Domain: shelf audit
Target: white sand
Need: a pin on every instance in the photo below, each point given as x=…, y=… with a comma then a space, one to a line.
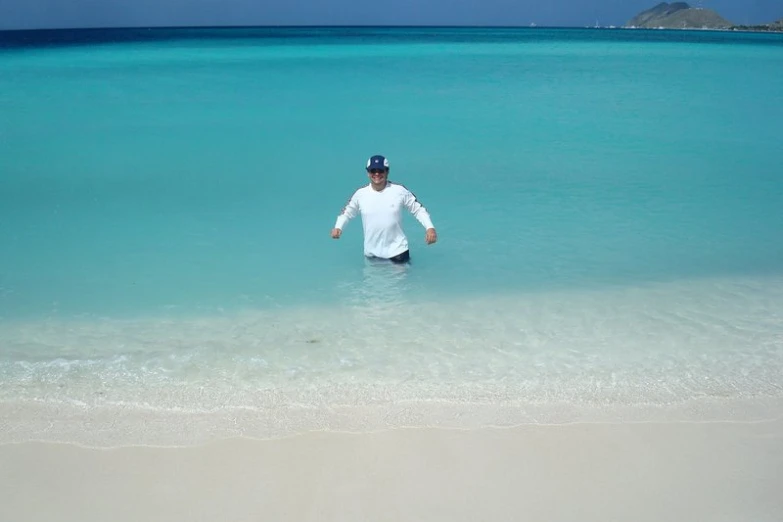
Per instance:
x=716, y=471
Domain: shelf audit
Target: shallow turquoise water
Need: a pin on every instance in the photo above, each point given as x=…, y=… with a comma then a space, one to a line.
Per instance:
x=196, y=174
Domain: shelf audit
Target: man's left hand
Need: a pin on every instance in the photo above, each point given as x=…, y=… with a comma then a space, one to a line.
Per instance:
x=430, y=237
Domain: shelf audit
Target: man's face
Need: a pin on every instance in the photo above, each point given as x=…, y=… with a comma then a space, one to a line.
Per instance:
x=378, y=177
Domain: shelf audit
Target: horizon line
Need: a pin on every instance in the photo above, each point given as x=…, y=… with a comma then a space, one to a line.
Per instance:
x=532, y=25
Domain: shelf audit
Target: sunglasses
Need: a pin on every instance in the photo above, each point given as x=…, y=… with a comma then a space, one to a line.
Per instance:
x=376, y=171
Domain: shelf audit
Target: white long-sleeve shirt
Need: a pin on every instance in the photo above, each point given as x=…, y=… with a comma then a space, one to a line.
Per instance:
x=381, y=213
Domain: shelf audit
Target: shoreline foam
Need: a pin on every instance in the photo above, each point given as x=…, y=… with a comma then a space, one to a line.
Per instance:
x=656, y=343
x=120, y=427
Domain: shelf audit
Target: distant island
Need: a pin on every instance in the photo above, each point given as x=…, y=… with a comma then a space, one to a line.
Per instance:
x=774, y=26
x=680, y=15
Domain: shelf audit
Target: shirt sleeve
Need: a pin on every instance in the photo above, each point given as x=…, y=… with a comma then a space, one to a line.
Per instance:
x=350, y=210
x=417, y=209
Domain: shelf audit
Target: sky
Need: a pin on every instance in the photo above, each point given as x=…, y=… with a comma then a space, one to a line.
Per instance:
x=47, y=14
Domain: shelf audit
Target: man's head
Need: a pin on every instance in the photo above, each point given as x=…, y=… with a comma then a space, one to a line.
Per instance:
x=378, y=170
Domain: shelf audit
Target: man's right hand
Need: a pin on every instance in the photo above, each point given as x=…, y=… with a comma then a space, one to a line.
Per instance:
x=336, y=233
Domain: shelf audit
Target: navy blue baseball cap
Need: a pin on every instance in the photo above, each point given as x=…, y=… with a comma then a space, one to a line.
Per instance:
x=377, y=162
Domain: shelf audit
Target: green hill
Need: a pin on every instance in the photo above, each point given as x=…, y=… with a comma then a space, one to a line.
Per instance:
x=678, y=15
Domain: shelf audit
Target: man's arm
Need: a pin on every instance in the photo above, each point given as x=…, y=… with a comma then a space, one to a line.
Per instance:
x=350, y=211
x=421, y=215
x=417, y=209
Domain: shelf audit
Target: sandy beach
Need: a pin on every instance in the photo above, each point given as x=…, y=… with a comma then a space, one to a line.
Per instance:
x=705, y=471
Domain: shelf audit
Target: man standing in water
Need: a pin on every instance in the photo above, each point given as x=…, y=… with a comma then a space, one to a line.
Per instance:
x=380, y=204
